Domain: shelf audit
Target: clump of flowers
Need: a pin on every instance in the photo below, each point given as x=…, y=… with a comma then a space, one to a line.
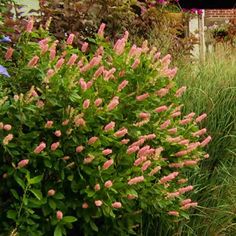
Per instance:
x=93, y=136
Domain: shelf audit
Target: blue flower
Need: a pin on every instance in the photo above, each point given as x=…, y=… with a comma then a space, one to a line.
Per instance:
x=5, y=39
x=3, y=71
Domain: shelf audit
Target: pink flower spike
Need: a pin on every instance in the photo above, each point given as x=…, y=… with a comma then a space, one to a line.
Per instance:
x=85, y=205
x=121, y=132
x=23, y=163
x=107, y=151
x=169, y=177
x=110, y=126
x=92, y=140
x=52, y=53
x=144, y=115
x=60, y=63
x=86, y=104
x=162, y=92
x=180, y=91
x=98, y=102
x=165, y=124
x=181, y=153
x=33, y=62
x=7, y=127
x=205, y=141
x=79, y=149
x=51, y=192
x=185, y=189
x=186, y=201
x=40, y=148
x=88, y=160
x=201, y=117
x=173, y=195
x=108, y=184
x=84, y=47
x=54, y=146
x=72, y=60
x=49, y=124
x=98, y=203
x=190, y=115
x=113, y=103
x=182, y=181
x=107, y=164
x=124, y=141
x=97, y=187
x=70, y=39
x=117, y=205
x=135, y=64
x=59, y=215
x=122, y=85
x=172, y=131
x=57, y=133
x=50, y=73
x=185, y=121
x=142, y=97
x=173, y=213
x=9, y=53
x=101, y=30
x=175, y=114
x=146, y=165
x=161, y=109
x=176, y=165
x=7, y=139
x=79, y=121
x=132, y=150
x=190, y=163
x=30, y=25
x=65, y=122
x=99, y=72
x=136, y=180
x=199, y=132
x=154, y=171
x=83, y=84
x=89, y=84
x=188, y=205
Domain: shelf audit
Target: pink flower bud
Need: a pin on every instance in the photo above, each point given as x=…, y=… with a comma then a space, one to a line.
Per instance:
x=119, y=46
x=182, y=181
x=7, y=139
x=107, y=164
x=101, y=30
x=172, y=131
x=65, y=122
x=206, y=156
x=33, y=62
x=185, y=121
x=9, y=53
x=113, y=103
x=157, y=56
x=162, y=92
x=97, y=187
x=173, y=213
x=201, y=117
x=52, y=54
x=173, y=195
x=50, y=73
x=161, y=109
x=30, y=25
x=79, y=121
x=44, y=48
x=136, y=180
x=72, y=60
x=199, y=132
x=181, y=153
x=190, y=115
x=106, y=152
x=122, y=85
x=60, y=63
x=70, y=39
x=99, y=71
x=23, y=163
x=165, y=124
x=85, y=205
x=143, y=150
x=92, y=140
x=79, y=149
x=190, y=163
x=89, y=84
x=121, y=132
x=140, y=160
x=185, y=189
x=132, y=150
x=144, y=115
x=175, y=114
x=131, y=196
x=86, y=104
x=169, y=177
x=84, y=47
x=88, y=159
x=146, y=165
x=154, y=171
x=180, y=91
x=98, y=102
x=51, y=192
x=174, y=140
x=116, y=205
x=40, y=148
x=110, y=126
x=108, y=184
x=59, y=215
x=124, y=141
x=98, y=203
x=49, y=124
x=83, y=84
x=99, y=51
x=188, y=205
x=55, y=145
x=184, y=142
x=57, y=133
x=186, y=201
x=165, y=59
x=176, y=165
x=7, y=127
x=109, y=74
x=142, y=97
x=135, y=64
x=205, y=141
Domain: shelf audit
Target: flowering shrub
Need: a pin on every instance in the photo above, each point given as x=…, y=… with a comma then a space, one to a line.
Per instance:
x=90, y=140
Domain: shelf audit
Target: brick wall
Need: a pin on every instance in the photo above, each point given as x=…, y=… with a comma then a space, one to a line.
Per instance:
x=221, y=13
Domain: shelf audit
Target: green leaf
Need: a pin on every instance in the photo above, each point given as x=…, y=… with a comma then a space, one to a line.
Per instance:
x=93, y=226
x=36, y=179
x=69, y=219
x=59, y=196
x=15, y=194
x=11, y=214
x=20, y=182
x=37, y=193
x=52, y=204
x=58, y=231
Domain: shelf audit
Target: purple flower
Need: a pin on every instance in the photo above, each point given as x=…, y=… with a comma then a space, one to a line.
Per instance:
x=5, y=39
x=3, y=71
